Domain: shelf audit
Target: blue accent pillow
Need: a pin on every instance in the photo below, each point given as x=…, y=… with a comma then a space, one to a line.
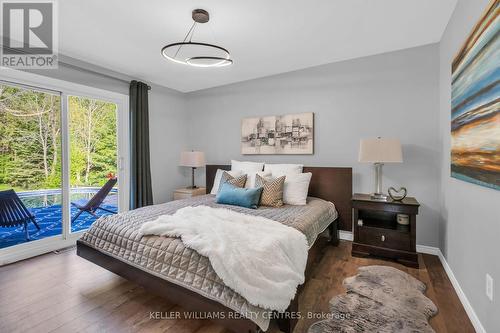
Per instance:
x=236, y=196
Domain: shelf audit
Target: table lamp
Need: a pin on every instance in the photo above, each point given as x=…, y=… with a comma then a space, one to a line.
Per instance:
x=379, y=151
x=193, y=159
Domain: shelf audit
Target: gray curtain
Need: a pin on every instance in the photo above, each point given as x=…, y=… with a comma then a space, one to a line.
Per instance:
x=141, y=193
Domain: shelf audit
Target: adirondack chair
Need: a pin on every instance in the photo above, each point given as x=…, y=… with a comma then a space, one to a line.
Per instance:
x=96, y=201
x=14, y=213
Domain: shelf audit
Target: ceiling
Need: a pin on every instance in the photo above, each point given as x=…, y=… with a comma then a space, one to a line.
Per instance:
x=264, y=37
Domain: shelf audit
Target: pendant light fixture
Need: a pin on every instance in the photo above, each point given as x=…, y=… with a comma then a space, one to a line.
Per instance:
x=197, y=54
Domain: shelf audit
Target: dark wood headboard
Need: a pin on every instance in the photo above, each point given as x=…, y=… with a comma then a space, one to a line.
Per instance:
x=328, y=183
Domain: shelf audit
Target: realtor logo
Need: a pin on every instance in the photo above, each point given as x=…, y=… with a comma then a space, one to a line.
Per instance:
x=29, y=38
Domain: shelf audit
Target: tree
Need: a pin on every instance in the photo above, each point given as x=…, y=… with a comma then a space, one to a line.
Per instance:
x=93, y=121
x=30, y=139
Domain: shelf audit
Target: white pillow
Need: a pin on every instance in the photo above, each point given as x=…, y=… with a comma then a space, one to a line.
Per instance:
x=296, y=188
x=247, y=167
x=218, y=176
x=251, y=178
x=278, y=170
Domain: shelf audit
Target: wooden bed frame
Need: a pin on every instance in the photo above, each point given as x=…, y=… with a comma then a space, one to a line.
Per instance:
x=332, y=184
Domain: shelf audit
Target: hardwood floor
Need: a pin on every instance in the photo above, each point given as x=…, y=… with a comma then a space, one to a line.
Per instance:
x=65, y=293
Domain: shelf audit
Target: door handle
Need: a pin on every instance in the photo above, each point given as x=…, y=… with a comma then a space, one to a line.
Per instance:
x=382, y=238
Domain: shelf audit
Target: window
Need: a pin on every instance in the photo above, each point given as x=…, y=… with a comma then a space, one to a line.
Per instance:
x=60, y=144
x=30, y=162
x=93, y=157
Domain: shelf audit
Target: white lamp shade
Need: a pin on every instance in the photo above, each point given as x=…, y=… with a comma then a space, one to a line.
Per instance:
x=192, y=159
x=380, y=150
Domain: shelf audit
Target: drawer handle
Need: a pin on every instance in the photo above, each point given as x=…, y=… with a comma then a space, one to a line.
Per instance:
x=382, y=238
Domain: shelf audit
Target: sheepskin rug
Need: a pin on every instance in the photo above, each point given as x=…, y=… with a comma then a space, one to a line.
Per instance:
x=379, y=299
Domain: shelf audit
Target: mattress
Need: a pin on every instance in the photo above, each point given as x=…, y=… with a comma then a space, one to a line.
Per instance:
x=165, y=257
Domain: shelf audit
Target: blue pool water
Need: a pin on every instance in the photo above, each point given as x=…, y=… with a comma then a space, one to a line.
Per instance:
x=46, y=206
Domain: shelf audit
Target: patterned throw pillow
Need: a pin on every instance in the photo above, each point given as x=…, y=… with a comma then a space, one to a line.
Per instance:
x=238, y=181
x=272, y=193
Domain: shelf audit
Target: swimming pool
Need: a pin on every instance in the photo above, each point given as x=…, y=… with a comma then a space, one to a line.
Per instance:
x=46, y=206
x=50, y=197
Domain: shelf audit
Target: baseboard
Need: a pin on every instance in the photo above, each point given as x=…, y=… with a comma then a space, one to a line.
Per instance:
x=428, y=250
x=347, y=235
x=461, y=295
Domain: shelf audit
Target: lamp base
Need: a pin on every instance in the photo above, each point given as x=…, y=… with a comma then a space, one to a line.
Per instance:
x=379, y=196
x=192, y=187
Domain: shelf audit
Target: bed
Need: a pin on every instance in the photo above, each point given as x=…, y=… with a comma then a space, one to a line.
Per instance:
x=165, y=266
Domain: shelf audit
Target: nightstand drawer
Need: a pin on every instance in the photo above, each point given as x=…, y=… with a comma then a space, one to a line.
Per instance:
x=180, y=195
x=387, y=238
x=184, y=193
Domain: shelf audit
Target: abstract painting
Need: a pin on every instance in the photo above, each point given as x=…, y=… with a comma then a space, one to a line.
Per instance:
x=475, y=101
x=288, y=134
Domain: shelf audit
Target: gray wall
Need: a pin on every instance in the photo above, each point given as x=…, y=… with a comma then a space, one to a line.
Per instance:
x=470, y=214
x=391, y=95
x=168, y=122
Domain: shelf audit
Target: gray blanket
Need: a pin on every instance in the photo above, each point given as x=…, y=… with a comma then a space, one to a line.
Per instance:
x=168, y=258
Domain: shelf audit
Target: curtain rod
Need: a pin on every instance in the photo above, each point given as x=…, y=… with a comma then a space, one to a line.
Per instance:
x=78, y=68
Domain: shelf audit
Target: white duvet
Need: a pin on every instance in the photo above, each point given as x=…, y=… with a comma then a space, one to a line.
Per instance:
x=261, y=259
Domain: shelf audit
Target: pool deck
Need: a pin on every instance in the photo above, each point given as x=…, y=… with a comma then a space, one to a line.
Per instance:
x=50, y=221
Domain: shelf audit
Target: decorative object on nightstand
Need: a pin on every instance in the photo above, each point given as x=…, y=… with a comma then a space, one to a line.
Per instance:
x=379, y=151
x=403, y=219
x=397, y=195
x=184, y=193
x=193, y=159
x=382, y=231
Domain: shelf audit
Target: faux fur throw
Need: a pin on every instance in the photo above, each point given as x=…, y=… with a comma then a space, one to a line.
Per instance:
x=261, y=259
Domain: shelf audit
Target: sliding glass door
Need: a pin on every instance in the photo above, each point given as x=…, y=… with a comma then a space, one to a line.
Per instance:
x=63, y=157
x=30, y=164
x=93, y=152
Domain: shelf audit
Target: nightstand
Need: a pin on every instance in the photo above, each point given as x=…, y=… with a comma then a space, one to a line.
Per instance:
x=183, y=193
x=377, y=232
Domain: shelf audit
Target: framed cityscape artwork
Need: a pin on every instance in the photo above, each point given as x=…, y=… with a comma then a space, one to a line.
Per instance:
x=284, y=134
